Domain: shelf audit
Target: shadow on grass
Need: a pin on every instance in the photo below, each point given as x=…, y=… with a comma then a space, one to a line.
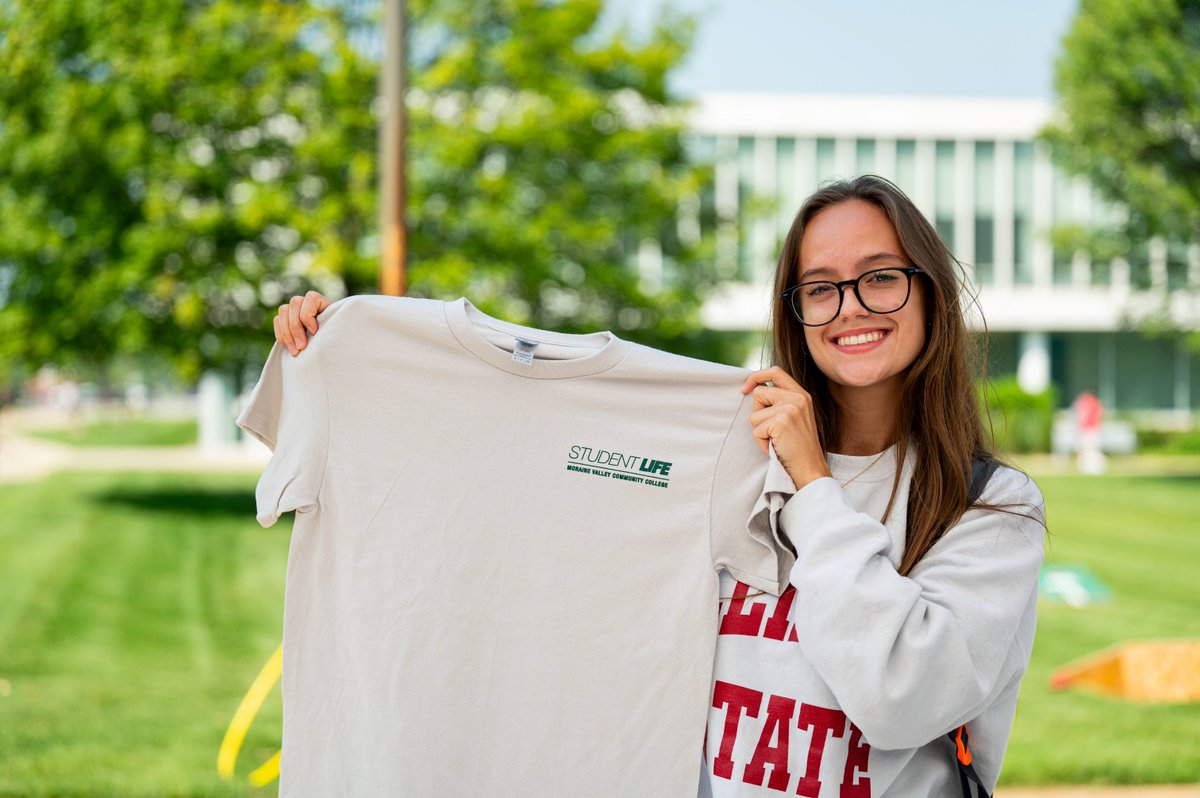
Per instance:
x=211, y=503
x=1190, y=480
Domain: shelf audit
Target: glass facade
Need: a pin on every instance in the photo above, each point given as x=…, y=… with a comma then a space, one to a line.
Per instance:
x=1022, y=222
x=799, y=165
x=1177, y=265
x=787, y=189
x=1139, y=265
x=1027, y=221
x=704, y=152
x=943, y=191
x=1146, y=370
x=906, y=164
x=746, y=193
x=1104, y=216
x=826, y=159
x=985, y=212
x=1064, y=255
x=864, y=157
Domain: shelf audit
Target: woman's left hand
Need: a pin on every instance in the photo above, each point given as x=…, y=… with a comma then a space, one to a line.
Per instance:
x=783, y=415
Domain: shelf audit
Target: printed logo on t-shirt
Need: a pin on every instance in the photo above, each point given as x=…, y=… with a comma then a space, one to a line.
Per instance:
x=616, y=465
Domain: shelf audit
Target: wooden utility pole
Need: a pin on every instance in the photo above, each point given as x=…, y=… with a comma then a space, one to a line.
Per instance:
x=392, y=194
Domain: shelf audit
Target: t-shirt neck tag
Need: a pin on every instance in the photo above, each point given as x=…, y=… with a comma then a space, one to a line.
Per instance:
x=523, y=351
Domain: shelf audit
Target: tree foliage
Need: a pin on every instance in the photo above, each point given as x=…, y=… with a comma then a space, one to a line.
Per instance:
x=542, y=158
x=170, y=172
x=1128, y=84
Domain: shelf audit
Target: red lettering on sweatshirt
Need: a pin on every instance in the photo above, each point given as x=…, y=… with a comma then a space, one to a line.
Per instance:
x=777, y=624
x=775, y=744
x=737, y=621
x=737, y=700
x=780, y=712
x=823, y=722
x=855, y=782
x=744, y=615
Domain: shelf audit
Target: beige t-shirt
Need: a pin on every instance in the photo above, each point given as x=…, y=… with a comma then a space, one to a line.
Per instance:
x=503, y=573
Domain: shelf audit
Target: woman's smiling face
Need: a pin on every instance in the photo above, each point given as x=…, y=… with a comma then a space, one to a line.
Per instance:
x=859, y=348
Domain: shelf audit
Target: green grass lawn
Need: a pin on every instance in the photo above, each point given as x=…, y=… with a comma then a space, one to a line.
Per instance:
x=132, y=432
x=135, y=609
x=134, y=612
x=1141, y=535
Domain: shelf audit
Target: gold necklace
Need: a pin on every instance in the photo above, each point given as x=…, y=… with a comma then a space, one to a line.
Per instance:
x=865, y=470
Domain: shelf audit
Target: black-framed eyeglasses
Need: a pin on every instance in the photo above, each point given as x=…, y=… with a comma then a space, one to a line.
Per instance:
x=819, y=302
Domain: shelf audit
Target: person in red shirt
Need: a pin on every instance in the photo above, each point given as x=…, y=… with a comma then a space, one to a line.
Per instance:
x=1089, y=412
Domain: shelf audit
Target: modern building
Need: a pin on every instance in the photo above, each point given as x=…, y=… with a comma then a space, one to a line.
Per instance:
x=975, y=168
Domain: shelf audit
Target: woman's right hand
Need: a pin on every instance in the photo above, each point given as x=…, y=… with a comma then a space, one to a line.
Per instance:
x=296, y=317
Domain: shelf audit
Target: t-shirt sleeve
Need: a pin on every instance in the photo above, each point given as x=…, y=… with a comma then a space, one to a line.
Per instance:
x=746, y=486
x=288, y=410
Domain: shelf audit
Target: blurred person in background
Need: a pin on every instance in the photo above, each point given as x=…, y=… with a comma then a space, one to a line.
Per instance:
x=1089, y=414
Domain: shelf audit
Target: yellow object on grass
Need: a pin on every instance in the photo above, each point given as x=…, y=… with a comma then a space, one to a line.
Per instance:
x=235, y=735
x=267, y=772
x=1163, y=671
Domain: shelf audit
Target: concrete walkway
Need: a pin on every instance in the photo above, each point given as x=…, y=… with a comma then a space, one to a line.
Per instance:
x=24, y=458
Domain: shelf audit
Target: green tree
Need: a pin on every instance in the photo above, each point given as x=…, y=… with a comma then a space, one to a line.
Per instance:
x=542, y=156
x=1128, y=85
x=170, y=172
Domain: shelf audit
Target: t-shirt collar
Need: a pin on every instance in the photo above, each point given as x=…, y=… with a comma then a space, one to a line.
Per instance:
x=598, y=351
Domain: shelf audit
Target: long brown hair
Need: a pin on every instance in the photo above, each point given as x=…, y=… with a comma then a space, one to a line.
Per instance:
x=938, y=411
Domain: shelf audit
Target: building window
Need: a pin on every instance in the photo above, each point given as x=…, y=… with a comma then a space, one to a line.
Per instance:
x=864, y=156
x=943, y=197
x=1139, y=265
x=1105, y=217
x=1023, y=213
x=906, y=165
x=785, y=180
x=985, y=211
x=745, y=169
x=826, y=159
x=703, y=151
x=1177, y=265
x=1145, y=369
x=1063, y=216
x=1075, y=365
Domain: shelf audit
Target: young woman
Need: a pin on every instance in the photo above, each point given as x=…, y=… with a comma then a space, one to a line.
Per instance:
x=911, y=611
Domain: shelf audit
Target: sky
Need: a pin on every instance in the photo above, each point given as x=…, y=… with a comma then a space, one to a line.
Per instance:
x=958, y=48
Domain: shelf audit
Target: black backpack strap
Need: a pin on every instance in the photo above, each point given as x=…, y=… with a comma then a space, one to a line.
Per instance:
x=966, y=771
x=982, y=469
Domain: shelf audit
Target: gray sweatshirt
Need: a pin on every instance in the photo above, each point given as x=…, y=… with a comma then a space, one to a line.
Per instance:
x=848, y=684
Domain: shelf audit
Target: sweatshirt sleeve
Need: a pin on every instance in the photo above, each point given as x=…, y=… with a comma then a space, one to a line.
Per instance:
x=288, y=411
x=910, y=658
